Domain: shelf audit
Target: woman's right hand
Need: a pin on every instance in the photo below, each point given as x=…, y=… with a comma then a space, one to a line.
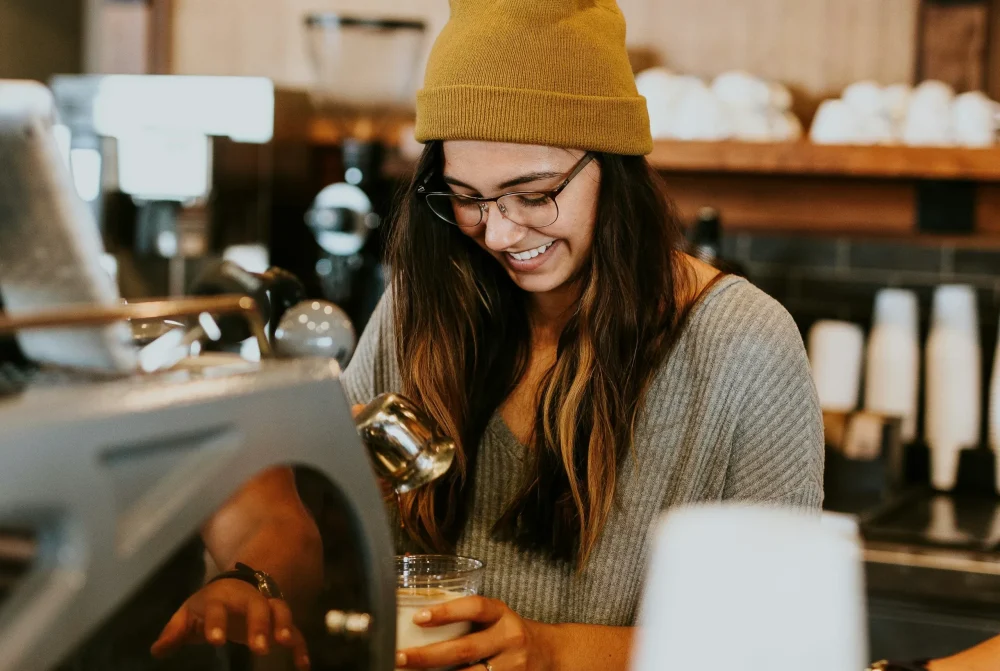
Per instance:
x=233, y=610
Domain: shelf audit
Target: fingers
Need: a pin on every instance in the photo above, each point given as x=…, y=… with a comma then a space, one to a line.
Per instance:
x=300, y=652
x=259, y=625
x=174, y=634
x=498, y=663
x=216, y=617
x=356, y=410
x=287, y=634
x=464, y=651
x=468, y=609
x=281, y=618
x=224, y=617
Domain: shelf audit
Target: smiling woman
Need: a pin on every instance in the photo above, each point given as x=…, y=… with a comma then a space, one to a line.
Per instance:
x=542, y=310
x=528, y=223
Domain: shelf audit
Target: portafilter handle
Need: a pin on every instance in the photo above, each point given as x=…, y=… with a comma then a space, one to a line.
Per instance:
x=406, y=446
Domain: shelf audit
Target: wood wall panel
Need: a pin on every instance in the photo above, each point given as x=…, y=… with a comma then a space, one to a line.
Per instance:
x=817, y=205
x=993, y=52
x=267, y=37
x=817, y=46
x=953, y=44
x=40, y=38
x=988, y=210
x=126, y=39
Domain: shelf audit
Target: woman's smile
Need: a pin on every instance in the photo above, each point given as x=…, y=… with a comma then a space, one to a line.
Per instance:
x=530, y=260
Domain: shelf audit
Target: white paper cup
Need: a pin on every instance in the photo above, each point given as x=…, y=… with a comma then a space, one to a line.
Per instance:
x=866, y=97
x=836, y=123
x=928, y=117
x=972, y=120
x=835, y=357
x=699, y=115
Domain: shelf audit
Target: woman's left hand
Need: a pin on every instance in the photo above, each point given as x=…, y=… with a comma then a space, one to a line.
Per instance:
x=505, y=640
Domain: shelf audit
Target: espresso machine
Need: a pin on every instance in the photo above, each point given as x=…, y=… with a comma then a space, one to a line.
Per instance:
x=366, y=72
x=141, y=153
x=111, y=464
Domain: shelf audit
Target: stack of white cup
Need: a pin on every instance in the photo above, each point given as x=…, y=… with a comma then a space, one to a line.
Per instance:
x=892, y=381
x=783, y=589
x=954, y=382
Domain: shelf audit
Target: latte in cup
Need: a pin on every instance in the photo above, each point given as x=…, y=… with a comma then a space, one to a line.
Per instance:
x=412, y=600
x=426, y=581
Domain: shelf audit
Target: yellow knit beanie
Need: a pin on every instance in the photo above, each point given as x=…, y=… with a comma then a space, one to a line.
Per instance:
x=544, y=72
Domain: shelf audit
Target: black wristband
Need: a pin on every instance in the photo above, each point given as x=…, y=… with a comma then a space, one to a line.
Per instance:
x=264, y=583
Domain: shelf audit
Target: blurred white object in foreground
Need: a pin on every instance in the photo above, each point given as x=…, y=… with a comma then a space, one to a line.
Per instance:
x=754, y=589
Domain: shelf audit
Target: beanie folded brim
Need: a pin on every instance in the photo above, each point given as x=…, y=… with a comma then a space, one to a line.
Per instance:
x=520, y=116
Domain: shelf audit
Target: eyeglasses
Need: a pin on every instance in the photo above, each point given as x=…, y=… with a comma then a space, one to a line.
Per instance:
x=531, y=209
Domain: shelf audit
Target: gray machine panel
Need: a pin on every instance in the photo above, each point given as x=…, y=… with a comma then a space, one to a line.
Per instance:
x=117, y=475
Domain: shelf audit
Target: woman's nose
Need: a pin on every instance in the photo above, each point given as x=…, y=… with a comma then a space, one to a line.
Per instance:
x=501, y=233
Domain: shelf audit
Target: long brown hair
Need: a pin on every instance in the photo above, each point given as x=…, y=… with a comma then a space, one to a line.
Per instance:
x=463, y=343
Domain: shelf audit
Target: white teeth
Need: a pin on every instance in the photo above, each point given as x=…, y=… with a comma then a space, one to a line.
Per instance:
x=531, y=253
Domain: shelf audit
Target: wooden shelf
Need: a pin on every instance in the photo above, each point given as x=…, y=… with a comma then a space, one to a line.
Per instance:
x=805, y=158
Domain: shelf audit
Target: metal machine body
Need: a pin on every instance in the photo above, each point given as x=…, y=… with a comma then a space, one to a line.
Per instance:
x=113, y=476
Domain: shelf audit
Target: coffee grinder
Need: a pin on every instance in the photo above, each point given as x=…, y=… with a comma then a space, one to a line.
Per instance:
x=365, y=87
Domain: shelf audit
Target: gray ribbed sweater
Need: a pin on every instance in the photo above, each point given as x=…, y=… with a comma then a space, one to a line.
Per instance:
x=731, y=415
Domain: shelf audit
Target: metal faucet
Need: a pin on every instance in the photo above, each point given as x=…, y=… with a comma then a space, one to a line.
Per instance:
x=405, y=445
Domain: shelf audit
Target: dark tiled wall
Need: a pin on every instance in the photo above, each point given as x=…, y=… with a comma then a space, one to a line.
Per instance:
x=837, y=278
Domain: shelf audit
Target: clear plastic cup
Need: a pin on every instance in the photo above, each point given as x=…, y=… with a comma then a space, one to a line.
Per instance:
x=423, y=581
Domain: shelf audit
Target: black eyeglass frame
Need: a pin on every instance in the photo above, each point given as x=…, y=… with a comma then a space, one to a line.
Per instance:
x=483, y=201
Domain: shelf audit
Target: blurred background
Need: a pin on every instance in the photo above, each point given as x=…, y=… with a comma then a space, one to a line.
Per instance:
x=839, y=153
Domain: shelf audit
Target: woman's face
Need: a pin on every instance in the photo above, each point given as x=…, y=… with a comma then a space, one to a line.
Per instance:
x=491, y=169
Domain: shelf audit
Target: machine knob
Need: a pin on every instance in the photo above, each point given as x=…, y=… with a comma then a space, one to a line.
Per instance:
x=316, y=328
x=340, y=623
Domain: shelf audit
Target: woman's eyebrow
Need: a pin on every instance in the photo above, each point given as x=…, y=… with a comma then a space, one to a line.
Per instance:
x=529, y=178
x=523, y=179
x=455, y=182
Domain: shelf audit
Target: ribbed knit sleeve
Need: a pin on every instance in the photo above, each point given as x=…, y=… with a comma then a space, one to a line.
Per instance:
x=372, y=370
x=778, y=448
